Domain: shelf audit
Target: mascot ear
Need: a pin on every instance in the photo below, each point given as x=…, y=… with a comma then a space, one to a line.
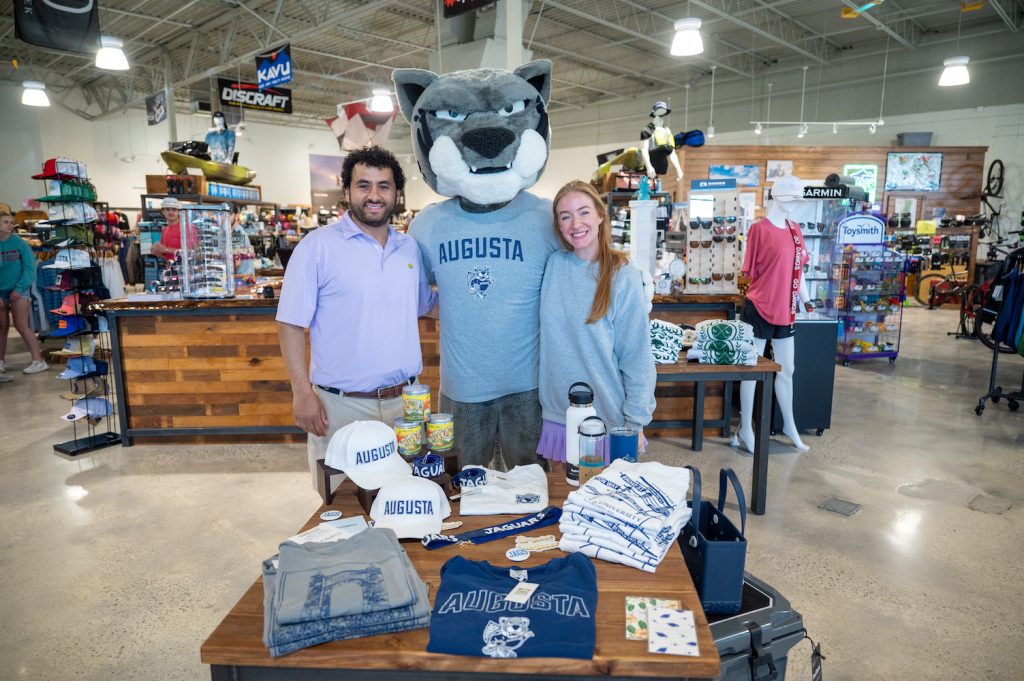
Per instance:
x=409, y=86
x=538, y=74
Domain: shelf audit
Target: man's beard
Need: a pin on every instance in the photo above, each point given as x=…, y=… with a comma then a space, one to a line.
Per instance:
x=362, y=217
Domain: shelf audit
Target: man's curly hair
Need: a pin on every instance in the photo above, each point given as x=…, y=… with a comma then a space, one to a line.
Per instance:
x=374, y=157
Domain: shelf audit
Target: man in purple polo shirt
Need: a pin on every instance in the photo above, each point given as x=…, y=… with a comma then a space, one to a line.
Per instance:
x=359, y=287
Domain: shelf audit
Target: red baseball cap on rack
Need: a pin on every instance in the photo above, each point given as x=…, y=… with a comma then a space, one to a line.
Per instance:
x=61, y=168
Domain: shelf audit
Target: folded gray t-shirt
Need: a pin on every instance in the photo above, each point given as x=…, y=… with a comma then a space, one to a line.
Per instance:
x=363, y=574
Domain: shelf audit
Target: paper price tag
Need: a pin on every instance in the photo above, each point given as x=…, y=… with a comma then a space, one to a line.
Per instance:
x=522, y=592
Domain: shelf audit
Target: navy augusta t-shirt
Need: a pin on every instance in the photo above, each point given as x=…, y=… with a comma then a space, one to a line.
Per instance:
x=472, y=617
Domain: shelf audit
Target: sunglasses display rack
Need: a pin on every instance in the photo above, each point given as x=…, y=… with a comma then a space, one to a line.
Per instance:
x=868, y=295
x=713, y=243
x=207, y=259
x=69, y=284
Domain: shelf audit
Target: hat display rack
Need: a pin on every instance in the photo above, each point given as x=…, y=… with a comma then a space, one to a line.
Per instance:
x=70, y=283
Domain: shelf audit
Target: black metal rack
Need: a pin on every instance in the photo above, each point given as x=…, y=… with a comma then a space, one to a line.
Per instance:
x=1010, y=304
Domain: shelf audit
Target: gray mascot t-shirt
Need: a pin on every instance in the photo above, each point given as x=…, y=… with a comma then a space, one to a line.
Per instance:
x=488, y=268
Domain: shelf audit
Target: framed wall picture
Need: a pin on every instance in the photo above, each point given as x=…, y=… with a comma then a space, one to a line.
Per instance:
x=903, y=208
x=745, y=176
x=913, y=171
x=773, y=170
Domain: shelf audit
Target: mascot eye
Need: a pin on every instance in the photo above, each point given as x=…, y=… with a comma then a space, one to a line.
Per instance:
x=513, y=108
x=450, y=115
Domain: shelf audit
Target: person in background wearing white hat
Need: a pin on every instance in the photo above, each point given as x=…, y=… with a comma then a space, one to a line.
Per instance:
x=359, y=287
x=17, y=274
x=170, y=237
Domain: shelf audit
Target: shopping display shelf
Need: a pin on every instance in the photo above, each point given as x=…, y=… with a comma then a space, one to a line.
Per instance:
x=84, y=445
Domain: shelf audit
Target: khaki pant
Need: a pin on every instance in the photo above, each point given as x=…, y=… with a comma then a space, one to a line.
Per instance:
x=342, y=411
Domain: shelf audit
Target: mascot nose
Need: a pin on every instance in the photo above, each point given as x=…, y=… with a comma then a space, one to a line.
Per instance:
x=489, y=142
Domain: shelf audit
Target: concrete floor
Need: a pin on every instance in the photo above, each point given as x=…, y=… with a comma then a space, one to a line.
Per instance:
x=117, y=565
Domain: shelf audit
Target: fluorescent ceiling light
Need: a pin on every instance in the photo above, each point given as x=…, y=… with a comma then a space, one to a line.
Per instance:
x=34, y=94
x=687, y=41
x=955, y=72
x=111, y=56
x=381, y=101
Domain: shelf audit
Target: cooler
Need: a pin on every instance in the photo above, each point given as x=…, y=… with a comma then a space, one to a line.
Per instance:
x=772, y=618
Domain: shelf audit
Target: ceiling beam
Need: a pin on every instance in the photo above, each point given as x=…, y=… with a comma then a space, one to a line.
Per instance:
x=1009, y=11
x=892, y=20
x=307, y=34
x=770, y=24
x=639, y=35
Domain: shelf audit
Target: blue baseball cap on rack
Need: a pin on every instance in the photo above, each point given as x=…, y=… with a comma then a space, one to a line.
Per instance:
x=80, y=367
x=69, y=325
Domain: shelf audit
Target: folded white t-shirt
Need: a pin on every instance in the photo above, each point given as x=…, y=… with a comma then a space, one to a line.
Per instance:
x=520, y=491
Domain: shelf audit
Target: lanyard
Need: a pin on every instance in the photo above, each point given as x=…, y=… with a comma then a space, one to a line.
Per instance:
x=542, y=518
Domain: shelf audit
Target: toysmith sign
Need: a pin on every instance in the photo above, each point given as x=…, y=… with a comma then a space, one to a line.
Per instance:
x=248, y=95
x=861, y=228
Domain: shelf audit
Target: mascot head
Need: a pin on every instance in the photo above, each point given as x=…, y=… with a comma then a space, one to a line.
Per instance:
x=480, y=135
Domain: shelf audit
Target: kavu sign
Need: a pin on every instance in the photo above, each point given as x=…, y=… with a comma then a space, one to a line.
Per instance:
x=274, y=67
x=249, y=96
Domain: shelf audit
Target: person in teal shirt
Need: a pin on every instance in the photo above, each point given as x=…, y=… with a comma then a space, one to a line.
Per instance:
x=17, y=274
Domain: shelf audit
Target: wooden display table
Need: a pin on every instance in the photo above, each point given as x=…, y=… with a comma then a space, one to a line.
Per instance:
x=235, y=649
x=764, y=394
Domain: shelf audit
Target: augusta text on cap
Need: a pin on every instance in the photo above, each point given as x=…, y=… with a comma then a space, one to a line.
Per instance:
x=375, y=454
x=409, y=507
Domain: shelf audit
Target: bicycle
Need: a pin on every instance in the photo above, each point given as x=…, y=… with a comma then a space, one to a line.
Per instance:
x=938, y=289
x=977, y=321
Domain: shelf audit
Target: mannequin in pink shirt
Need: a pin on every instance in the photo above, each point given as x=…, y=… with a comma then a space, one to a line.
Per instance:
x=774, y=255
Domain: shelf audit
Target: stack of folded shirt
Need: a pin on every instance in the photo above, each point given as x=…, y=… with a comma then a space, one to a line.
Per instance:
x=666, y=341
x=524, y=489
x=319, y=592
x=721, y=341
x=631, y=514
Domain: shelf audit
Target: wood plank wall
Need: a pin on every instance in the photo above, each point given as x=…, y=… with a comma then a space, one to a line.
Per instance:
x=963, y=170
x=204, y=371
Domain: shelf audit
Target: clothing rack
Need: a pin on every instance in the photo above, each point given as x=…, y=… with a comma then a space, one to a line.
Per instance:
x=1007, y=322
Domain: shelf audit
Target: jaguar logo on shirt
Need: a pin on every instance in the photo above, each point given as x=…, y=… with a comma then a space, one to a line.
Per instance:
x=479, y=281
x=504, y=637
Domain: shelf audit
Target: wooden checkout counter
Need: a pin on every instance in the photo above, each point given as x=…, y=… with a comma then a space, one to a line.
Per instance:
x=211, y=371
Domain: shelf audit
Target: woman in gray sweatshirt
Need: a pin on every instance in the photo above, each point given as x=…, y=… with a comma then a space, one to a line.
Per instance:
x=593, y=323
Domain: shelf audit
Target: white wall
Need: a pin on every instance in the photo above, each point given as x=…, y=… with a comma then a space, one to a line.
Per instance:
x=279, y=154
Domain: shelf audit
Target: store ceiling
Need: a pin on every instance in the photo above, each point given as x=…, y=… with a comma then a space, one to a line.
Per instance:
x=603, y=50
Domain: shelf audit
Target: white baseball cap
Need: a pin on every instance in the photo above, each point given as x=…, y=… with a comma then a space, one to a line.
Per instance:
x=412, y=507
x=90, y=406
x=74, y=213
x=788, y=188
x=69, y=259
x=170, y=202
x=367, y=452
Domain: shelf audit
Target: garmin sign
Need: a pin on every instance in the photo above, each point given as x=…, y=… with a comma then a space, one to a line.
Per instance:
x=249, y=96
x=840, y=192
x=861, y=228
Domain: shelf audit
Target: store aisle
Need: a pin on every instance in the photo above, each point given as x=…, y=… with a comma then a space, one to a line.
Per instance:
x=118, y=565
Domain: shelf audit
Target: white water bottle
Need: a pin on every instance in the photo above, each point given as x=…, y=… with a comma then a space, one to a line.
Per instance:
x=581, y=405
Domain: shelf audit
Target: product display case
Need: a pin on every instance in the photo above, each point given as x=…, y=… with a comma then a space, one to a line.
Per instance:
x=868, y=293
x=207, y=260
